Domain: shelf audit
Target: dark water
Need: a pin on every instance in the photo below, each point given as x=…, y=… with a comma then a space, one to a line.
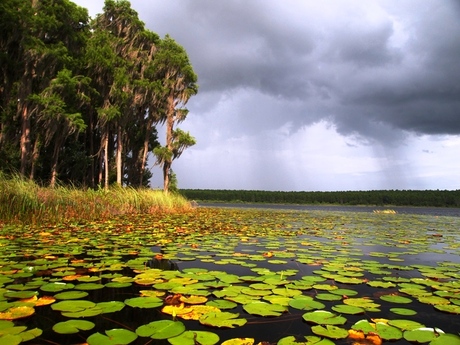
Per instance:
x=431, y=211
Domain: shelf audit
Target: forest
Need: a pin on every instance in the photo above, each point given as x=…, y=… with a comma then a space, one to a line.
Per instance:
x=436, y=198
x=81, y=98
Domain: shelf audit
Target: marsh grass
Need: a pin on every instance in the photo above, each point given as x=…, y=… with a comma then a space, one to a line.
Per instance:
x=24, y=201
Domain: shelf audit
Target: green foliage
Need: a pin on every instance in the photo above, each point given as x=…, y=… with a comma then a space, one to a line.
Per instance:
x=24, y=201
x=93, y=91
x=436, y=198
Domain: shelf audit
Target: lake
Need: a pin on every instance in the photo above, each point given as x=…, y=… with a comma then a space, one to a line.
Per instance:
x=433, y=211
x=274, y=275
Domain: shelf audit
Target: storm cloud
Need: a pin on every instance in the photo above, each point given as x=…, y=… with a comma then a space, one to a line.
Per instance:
x=376, y=73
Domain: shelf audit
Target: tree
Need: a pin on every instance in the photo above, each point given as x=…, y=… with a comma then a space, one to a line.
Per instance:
x=91, y=95
x=179, y=84
x=52, y=36
x=178, y=142
x=120, y=55
x=58, y=114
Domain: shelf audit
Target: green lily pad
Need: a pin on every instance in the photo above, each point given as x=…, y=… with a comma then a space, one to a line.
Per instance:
x=388, y=332
x=323, y=317
x=222, y=319
x=144, y=302
x=71, y=295
x=73, y=326
x=422, y=335
x=305, y=303
x=395, y=299
x=20, y=294
x=112, y=337
x=363, y=326
x=111, y=306
x=195, y=337
x=117, y=285
x=11, y=339
x=162, y=329
x=309, y=340
x=89, y=286
x=264, y=309
x=381, y=284
x=72, y=306
x=347, y=309
x=434, y=300
x=57, y=287
x=403, y=311
x=328, y=297
x=449, y=308
x=405, y=325
x=222, y=304
x=330, y=331
x=364, y=303
x=444, y=339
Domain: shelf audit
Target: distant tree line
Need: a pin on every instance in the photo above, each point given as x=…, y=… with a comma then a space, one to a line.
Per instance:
x=436, y=198
x=80, y=99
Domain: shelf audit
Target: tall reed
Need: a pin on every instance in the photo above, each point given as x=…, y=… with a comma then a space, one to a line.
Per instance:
x=24, y=201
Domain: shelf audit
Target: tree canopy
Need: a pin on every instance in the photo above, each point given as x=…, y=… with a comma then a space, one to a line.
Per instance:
x=81, y=98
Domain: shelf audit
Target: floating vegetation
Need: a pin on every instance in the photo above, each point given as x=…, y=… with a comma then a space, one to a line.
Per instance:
x=233, y=277
x=385, y=211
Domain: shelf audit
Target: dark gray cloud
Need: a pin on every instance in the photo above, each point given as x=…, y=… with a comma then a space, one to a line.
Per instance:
x=370, y=67
x=362, y=65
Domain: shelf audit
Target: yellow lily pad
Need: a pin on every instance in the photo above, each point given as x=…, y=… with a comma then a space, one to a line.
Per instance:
x=15, y=313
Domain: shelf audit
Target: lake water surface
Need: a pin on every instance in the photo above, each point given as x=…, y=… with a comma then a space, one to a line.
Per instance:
x=433, y=211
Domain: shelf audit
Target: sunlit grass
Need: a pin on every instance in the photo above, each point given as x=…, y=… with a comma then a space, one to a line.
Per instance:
x=23, y=201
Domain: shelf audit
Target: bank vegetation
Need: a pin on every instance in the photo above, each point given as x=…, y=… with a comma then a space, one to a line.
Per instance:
x=432, y=198
x=23, y=201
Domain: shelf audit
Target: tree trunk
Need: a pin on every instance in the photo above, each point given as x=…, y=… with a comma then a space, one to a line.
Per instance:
x=106, y=161
x=119, y=162
x=25, y=136
x=169, y=140
x=166, y=170
x=148, y=133
x=35, y=155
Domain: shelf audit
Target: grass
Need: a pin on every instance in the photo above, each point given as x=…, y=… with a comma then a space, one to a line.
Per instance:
x=23, y=201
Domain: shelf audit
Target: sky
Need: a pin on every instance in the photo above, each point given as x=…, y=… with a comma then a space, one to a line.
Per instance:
x=307, y=95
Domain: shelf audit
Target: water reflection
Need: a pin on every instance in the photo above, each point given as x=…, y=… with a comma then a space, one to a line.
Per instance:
x=162, y=264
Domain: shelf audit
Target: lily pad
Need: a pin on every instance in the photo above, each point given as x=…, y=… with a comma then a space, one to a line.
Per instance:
x=162, y=329
x=347, y=309
x=112, y=337
x=72, y=306
x=305, y=303
x=323, y=317
x=73, y=326
x=422, y=335
x=222, y=319
x=222, y=304
x=144, y=302
x=330, y=331
x=195, y=337
x=405, y=325
x=264, y=309
x=403, y=311
x=444, y=339
x=309, y=340
x=71, y=295
x=239, y=341
x=15, y=313
x=395, y=299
